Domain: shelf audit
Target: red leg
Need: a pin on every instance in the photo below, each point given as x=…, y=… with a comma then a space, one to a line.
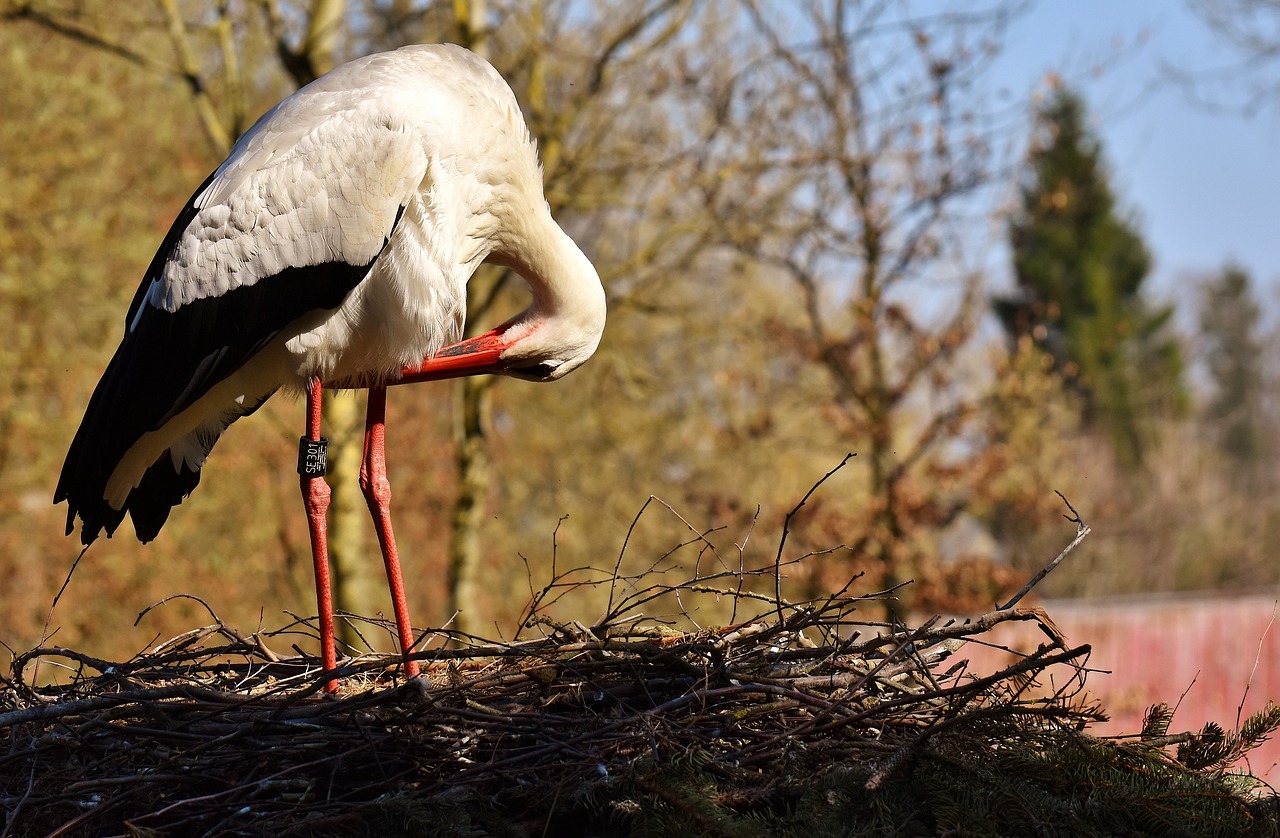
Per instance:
x=377, y=492
x=315, y=497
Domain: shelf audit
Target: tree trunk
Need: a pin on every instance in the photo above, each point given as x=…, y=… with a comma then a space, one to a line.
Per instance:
x=474, y=396
x=474, y=479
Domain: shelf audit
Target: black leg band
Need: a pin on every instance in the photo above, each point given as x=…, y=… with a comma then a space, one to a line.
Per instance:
x=313, y=456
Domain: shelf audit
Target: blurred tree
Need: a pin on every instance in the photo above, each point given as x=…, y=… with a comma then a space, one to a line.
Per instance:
x=865, y=155
x=1229, y=319
x=473, y=400
x=81, y=212
x=1080, y=268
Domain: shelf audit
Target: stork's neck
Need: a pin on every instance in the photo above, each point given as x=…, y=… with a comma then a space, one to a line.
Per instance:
x=567, y=296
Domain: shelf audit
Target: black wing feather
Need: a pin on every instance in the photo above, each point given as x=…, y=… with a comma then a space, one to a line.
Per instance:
x=165, y=364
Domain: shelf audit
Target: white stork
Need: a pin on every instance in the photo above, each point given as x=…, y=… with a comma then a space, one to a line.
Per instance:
x=333, y=248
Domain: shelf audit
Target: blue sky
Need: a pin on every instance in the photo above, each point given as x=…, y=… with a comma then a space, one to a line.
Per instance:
x=1203, y=187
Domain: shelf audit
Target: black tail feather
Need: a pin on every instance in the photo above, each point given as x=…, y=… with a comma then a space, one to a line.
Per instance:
x=162, y=488
x=148, y=505
x=98, y=445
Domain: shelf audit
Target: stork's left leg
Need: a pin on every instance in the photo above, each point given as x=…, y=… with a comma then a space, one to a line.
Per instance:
x=377, y=492
x=315, y=497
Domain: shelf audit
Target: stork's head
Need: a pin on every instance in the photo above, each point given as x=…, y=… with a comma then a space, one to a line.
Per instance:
x=549, y=339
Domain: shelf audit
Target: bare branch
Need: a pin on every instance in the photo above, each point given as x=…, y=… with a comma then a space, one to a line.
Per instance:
x=215, y=129
x=1081, y=531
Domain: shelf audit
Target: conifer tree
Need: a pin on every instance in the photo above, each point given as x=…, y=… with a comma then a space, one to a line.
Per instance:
x=1080, y=266
x=1229, y=317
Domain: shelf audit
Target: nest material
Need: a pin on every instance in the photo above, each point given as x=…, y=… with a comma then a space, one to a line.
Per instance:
x=801, y=721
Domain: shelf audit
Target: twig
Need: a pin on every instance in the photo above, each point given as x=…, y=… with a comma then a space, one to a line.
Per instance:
x=1081, y=531
x=172, y=597
x=786, y=531
x=1257, y=658
x=44, y=632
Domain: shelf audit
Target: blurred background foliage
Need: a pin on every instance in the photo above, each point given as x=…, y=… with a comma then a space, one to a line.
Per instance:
x=793, y=208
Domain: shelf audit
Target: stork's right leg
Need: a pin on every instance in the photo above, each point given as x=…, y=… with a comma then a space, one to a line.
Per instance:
x=377, y=493
x=315, y=497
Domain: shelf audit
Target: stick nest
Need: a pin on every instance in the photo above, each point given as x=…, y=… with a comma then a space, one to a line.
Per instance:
x=802, y=720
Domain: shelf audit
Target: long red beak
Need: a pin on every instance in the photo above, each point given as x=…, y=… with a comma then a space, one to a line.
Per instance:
x=473, y=356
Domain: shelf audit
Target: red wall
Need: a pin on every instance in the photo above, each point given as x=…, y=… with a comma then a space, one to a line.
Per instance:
x=1220, y=651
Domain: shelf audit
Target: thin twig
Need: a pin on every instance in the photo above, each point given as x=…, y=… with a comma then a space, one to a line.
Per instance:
x=1082, y=530
x=1257, y=658
x=786, y=531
